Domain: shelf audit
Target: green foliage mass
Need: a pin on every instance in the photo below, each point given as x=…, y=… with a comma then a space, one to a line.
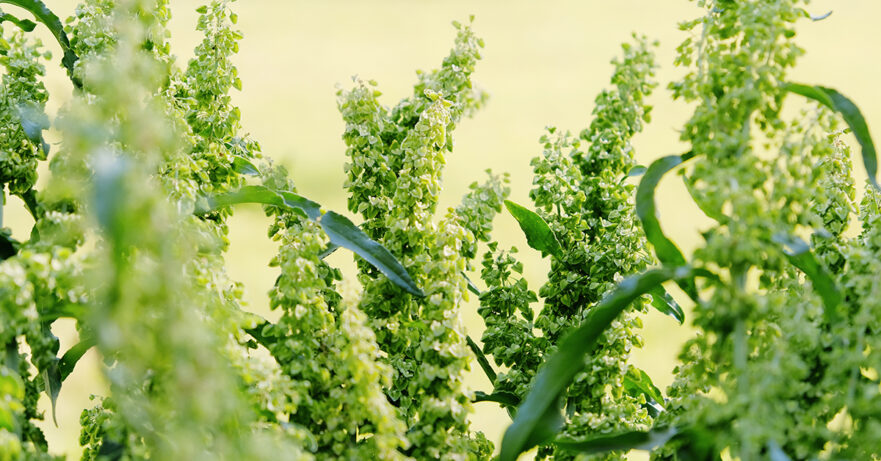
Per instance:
x=131, y=229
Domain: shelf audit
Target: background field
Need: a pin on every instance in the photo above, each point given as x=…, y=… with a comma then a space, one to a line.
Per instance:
x=543, y=64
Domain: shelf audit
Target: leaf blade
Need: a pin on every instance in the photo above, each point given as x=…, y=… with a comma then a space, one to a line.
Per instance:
x=538, y=234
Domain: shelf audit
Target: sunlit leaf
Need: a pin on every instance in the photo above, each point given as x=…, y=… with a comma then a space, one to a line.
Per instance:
x=538, y=234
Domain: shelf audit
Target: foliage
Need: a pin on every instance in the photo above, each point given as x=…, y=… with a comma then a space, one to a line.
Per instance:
x=131, y=229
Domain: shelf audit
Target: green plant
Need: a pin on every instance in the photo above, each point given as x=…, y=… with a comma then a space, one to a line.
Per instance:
x=131, y=229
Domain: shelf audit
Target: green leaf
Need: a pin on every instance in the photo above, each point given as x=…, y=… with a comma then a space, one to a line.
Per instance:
x=530, y=425
x=44, y=15
x=538, y=234
x=664, y=303
x=851, y=114
x=636, y=440
x=637, y=170
x=504, y=398
x=33, y=122
x=244, y=166
x=637, y=382
x=799, y=254
x=482, y=360
x=347, y=235
x=52, y=385
x=72, y=356
x=341, y=231
x=666, y=251
x=23, y=24
x=471, y=286
x=8, y=245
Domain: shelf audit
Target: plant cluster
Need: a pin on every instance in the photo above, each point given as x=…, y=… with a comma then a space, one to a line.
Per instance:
x=131, y=228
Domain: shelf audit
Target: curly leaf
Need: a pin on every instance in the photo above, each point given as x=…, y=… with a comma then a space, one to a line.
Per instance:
x=23, y=24
x=44, y=15
x=538, y=234
x=667, y=251
x=851, y=114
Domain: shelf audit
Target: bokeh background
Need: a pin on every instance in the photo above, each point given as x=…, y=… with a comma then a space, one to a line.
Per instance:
x=543, y=64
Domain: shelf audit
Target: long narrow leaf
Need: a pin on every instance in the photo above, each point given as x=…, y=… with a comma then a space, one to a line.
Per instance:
x=70, y=358
x=344, y=233
x=637, y=381
x=636, y=440
x=341, y=231
x=562, y=367
x=44, y=15
x=504, y=398
x=799, y=254
x=851, y=113
x=482, y=360
x=23, y=24
x=667, y=251
x=538, y=234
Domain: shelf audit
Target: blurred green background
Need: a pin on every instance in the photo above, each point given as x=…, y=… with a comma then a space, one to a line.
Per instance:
x=543, y=64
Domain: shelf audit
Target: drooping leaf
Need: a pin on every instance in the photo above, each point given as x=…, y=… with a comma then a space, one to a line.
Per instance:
x=8, y=245
x=33, y=122
x=23, y=24
x=562, y=367
x=504, y=398
x=52, y=385
x=637, y=170
x=538, y=234
x=666, y=251
x=341, y=231
x=637, y=381
x=482, y=360
x=44, y=15
x=636, y=440
x=852, y=116
x=344, y=233
x=244, y=166
x=799, y=254
x=665, y=304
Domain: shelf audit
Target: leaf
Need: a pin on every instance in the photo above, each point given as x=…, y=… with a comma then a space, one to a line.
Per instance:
x=638, y=381
x=341, y=231
x=504, y=398
x=72, y=356
x=23, y=24
x=44, y=15
x=664, y=303
x=851, y=114
x=560, y=369
x=8, y=245
x=471, y=286
x=52, y=385
x=636, y=440
x=244, y=166
x=482, y=360
x=637, y=170
x=538, y=234
x=799, y=254
x=666, y=251
x=347, y=235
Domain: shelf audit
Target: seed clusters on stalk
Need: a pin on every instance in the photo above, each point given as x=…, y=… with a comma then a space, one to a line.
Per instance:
x=396, y=159
x=772, y=355
x=580, y=192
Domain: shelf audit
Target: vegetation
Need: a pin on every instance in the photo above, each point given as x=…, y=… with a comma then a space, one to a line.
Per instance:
x=131, y=230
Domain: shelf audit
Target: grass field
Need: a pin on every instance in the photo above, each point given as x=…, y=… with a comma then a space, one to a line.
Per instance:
x=543, y=64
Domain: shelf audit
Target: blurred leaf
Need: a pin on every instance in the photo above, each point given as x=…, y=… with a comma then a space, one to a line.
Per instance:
x=664, y=303
x=636, y=440
x=851, y=114
x=637, y=170
x=799, y=254
x=33, y=122
x=44, y=15
x=538, y=234
x=666, y=251
x=775, y=453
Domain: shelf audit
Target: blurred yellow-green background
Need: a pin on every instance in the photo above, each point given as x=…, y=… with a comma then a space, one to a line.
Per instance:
x=543, y=64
